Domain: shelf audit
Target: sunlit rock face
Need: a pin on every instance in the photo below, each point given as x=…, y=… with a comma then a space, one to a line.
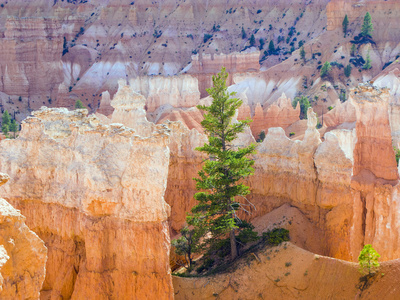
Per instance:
x=278, y=114
x=95, y=194
x=23, y=254
x=373, y=150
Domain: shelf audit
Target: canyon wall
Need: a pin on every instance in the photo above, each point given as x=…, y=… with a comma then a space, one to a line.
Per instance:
x=95, y=194
x=22, y=255
x=177, y=91
x=278, y=114
x=381, y=11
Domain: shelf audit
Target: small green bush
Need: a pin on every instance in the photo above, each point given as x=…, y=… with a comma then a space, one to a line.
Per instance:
x=292, y=134
x=276, y=236
x=207, y=37
x=397, y=153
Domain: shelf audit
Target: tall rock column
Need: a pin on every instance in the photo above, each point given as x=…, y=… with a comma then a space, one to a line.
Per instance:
x=375, y=181
x=95, y=194
x=373, y=151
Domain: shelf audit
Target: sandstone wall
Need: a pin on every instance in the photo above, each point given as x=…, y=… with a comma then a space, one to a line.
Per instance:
x=373, y=150
x=95, y=194
x=279, y=114
x=177, y=91
x=22, y=255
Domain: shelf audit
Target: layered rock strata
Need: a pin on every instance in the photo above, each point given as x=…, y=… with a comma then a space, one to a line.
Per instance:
x=279, y=114
x=23, y=255
x=95, y=194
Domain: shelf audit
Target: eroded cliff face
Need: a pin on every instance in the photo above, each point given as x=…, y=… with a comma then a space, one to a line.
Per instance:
x=59, y=51
x=23, y=255
x=279, y=114
x=95, y=195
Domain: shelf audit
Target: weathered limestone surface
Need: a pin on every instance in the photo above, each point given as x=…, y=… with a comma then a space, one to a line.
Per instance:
x=347, y=185
x=23, y=255
x=178, y=91
x=341, y=113
x=95, y=194
x=279, y=114
x=373, y=150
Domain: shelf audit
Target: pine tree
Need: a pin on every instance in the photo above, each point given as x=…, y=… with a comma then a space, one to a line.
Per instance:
x=367, y=27
x=188, y=244
x=303, y=53
x=79, y=104
x=261, y=136
x=271, y=47
x=262, y=42
x=304, y=105
x=13, y=127
x=326, y=68
x=5, y=129
x=6, y=118
x=367, y=64
x=347, y=71
x=252, y=40
x=368, y=260
x=345, y=24
x=244, y=35
x=219, y=180
x=353, y=50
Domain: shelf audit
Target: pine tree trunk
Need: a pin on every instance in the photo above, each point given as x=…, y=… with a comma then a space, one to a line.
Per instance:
x=234, y=252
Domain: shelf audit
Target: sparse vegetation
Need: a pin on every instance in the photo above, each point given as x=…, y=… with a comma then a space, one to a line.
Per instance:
x=367, y=27
x=276, y=236
x=367, y=64
x=397, y=154
x=244, y=35
x=14, y=127
x=252, y=40
x=79, y=104
x=6, y=122
x=353, y=50
x=271, y=48
x=261, y=136
x=206, y=37
x=326, y=68
x=262, y=42
x=345, y=24
x=347, y=71
x=368, y=260
x=303, y=53
x=304, y=105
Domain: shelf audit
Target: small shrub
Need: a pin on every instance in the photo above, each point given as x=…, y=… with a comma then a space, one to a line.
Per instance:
x=79, y=104
x=261, y=137
x=397, y=153
x=288, y=264
x=276, y=236
x=326, y=68
x=292, y=134
x=368, y=260
x=207, y=37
